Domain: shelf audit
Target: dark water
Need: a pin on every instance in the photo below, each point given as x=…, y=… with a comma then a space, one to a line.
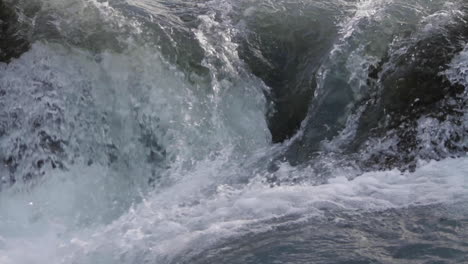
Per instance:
x=148, y=131
x=411, y=235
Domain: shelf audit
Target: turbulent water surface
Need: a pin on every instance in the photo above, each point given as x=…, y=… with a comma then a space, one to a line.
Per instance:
x=240, y=131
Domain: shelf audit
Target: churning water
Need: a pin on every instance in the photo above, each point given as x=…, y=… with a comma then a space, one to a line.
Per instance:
x=242, y=131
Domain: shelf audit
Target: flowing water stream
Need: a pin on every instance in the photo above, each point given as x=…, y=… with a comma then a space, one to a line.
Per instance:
x=241, y=131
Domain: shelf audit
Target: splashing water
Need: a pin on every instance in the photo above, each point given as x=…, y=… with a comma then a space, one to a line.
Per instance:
x=141, y=132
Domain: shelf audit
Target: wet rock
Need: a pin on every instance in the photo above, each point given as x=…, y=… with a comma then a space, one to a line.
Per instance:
x=408, y=87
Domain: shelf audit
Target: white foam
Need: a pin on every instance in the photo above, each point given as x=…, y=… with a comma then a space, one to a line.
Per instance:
x=184, y=218
x=458, y=68
x=96, y=214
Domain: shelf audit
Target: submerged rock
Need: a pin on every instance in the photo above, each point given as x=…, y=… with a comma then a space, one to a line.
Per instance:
x=411, y=86
x=410, y=110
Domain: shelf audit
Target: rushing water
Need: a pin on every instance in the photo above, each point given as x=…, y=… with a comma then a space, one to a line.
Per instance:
x=242, y=131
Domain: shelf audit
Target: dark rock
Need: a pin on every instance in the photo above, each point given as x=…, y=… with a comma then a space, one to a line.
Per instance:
x=411, y=86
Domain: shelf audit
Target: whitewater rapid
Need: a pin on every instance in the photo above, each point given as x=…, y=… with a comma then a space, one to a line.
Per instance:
x=66, y=219
x=170, y=132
